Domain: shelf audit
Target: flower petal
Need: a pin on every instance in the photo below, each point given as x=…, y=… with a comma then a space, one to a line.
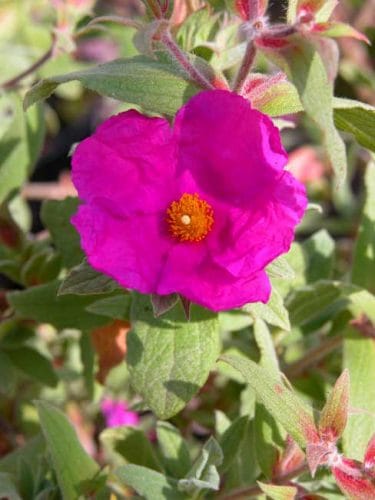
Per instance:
x=129, y=160
x=244, y=242
x=190, y=271
x=232, y=151
x=132, y=250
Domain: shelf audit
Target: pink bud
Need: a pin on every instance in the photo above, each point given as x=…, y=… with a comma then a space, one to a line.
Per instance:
x=334, y=415
x=353, y=480
x=251, y=10
x=291, y=459
x=369, y=462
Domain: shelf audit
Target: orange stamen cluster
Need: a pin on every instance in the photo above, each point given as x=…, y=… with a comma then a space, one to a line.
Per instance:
x=190, y=218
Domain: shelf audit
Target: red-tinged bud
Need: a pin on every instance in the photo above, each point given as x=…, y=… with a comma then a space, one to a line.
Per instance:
x=319, y=454
x=369, y=462
x=290, y=460
x=110, y=345
x=251, y=10
x=338, y=30
x=353, y=480
x=334, y=415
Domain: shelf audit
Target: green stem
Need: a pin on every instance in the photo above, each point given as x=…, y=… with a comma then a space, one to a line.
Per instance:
x=183, y=60
x=245, y=67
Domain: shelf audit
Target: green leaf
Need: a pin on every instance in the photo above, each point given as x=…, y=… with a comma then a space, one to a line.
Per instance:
x=31, y=453
x=42, y=304
x=280, y=268
x=264, y=341
x=73, y=467
x=56, y=216
x=8, y=488
x=280, y=401
x=175, y=453
x=8, y=375
x=274, y=312
x=84, y=280
x=319, y=249
x=20, y=144
x=231, y=440
x=132, y=445
x=304, y=67
x=142, y=81
x=148, y=483
x=116, y=306
x=269, y=439
x=311, y=301
x=170, y=358
x=359, y=359
x=204, y=475
x=360, y=122
x=363, y=270
x=33, y=364
x=276, y=492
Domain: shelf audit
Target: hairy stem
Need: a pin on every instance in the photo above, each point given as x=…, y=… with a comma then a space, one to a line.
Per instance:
x=124, y=21
x=184, y=62
x=313, y=356
x=255, y=490
x=245, y=67
x=13, y=82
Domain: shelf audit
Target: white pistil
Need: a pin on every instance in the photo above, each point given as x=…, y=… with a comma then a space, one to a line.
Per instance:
x=185, y=219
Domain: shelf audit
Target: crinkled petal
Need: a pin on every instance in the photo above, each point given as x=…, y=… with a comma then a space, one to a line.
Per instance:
x=244, y=242
x=132, y=250
x=129, y=160
x=232, y=151
x=190, y=271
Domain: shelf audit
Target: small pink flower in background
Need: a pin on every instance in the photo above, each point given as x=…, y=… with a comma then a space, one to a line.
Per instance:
x=305, y=165
x=117, y=413
x=199, y=209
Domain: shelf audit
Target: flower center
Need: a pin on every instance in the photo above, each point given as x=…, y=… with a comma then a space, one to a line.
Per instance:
x=190, y=218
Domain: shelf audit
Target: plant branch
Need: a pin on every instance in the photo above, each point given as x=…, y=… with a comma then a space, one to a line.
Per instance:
x=183, y=60
x=13, y=82
x=245, y=67
x=312, y=357
x=124, y=21
x=255, y=490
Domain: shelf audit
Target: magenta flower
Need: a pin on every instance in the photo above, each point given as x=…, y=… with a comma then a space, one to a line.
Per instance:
x=116, y=413
x=199, y=209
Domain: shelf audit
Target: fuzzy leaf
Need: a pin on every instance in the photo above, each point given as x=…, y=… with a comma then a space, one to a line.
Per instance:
x=170, y=358
x=363, y=270
x=204, y=475
x=334, y=415
x=140, y=80
x=274, y=312
x=231, y=441
x=84, y=280
x=56, y=216
x=21, y=141
x=359, y=359
x=132, y=445
x=276, y=492
x=73, y=467
x=280, y=401
x=175, y=453
x=148, y=483
x=34, y=364
x=319, y=249
x=42, y=304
